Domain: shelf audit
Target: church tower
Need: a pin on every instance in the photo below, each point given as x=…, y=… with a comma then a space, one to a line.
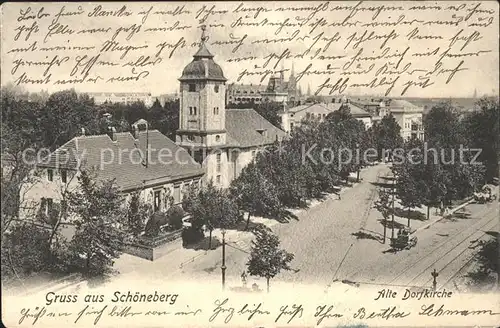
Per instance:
x=202, y=113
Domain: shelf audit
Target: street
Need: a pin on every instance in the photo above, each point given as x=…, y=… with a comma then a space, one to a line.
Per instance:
x=326, y=250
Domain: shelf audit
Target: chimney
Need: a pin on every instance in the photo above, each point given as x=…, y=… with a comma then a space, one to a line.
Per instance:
x=112, y=133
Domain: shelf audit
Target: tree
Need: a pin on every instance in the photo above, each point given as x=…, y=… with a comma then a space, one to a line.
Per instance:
x=98, y=217
x=255, y=194
x=25, y=249
x=383, y=205
x=165, y=119
x=137, y=214
x=266, y=258
x=410, y=187
x=483, y=132
x=211, y=207
x=387, y=135
x=64, y=114
x=20, y=131
x=270, y=111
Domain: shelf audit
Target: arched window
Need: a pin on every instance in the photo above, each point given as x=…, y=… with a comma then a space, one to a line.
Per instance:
x=217, y=138
x=216, y=89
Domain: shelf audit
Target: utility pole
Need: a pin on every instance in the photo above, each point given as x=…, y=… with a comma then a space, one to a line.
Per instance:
x=393, y=192
x=385, y=229
x=223, y=267
x=434, y=275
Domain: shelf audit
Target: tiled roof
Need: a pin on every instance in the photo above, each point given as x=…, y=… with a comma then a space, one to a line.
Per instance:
x=246, y=87
x=202, y=67
x=357, y=111
x=315, y=107
x=405, y=105
x=124, y=159
x=243, y=126
x=203, y=52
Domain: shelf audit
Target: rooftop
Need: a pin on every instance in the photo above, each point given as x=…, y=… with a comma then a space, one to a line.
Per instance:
x=125, y=160
x=243, y=126
x=403, y=105
x=203, y=66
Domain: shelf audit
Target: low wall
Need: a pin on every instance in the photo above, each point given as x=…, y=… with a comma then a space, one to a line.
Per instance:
x=152, y=249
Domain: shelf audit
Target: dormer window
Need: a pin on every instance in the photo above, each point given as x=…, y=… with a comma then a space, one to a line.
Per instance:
x=262, y=132
x=192, y=87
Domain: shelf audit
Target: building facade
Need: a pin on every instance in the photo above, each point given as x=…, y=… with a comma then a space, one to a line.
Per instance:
x=293, y=117
x=122, y=97
x=408, y=116
x=244, y=93
x=144, y=161
x=222, y=140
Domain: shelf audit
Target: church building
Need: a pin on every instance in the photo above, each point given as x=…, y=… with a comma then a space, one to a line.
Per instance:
x=223, y=140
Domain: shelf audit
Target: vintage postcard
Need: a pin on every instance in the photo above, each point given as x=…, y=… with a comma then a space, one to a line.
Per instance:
x=250, y=164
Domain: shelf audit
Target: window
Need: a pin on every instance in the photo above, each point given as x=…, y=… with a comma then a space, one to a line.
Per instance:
x=190, y=110
x=291, y=126
x=177, y=194
x=64, y=176
x=157, y=200
x=192, y=88
x=253, y=153
x=47, y=206
x=195, y=111
x=217, y=138
x=218, y=162
x=217, y=179
x=50, y=175
x=216, y=89
x=216, y=110
x=190, y=137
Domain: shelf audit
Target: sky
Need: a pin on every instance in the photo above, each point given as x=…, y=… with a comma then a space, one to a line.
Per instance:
x=69, y=31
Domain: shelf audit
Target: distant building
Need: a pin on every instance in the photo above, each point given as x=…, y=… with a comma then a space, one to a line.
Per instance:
x=244, y=93
x=122, y=97
x=167, y=98
x=372, y=105
x=279, y=90
x=293, y=117
x=408, y=116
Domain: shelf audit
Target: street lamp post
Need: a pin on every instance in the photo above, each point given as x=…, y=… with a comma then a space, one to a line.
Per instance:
x=223, y=267
x=434, y=282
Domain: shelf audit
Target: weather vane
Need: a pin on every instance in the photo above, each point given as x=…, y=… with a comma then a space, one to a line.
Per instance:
x=203, y=36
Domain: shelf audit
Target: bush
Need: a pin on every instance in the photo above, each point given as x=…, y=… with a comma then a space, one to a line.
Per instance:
x=192, y=235
x=155, y=222
x=25, y=250
x=175, y=215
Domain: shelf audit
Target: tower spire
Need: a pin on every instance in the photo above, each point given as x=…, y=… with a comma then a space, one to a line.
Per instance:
x=203, y=52
x=203, y=36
